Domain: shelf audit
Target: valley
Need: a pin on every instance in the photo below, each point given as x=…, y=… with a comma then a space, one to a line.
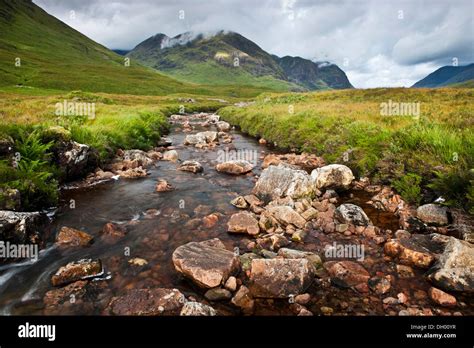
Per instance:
x=201, y=175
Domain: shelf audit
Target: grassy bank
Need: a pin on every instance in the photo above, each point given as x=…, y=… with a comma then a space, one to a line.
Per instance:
x=422, y=157
x=30, y=125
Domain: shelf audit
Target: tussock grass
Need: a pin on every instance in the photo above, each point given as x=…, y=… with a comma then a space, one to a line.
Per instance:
x=431, y=154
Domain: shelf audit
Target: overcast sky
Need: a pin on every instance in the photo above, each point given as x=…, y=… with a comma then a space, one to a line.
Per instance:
x=377, y=42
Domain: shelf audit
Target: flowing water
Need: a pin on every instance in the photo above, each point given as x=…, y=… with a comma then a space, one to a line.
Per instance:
x=158, y=223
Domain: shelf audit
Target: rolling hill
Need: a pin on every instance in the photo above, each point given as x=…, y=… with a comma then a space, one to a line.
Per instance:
x=209, y=58
x=38, y=50
x=447, y=76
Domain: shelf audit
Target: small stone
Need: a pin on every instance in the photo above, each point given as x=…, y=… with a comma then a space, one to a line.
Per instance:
x=218, y=294
x=402, y=298
x=379, y=285
x=243, y=300
x=405, y=271
x=327, y=310
x=163, y=186
x=303, y=299
x=138, y=262
x=240, y=203
x=196, y=309
x=442, y=298
x=231, y=284
x=298, y=236
x=243, y=222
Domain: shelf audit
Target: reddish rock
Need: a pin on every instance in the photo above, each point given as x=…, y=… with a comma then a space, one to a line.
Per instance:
x=442, y=298
x=74, y=271
x=71, y=237
x=163, y=186
x=208, y=264
x=244, y=300
x=210, y=220
x=346, y=273
x=112, y=232
x=243, y=222
x=235, y=167
x=419, y=250
x=280, y=278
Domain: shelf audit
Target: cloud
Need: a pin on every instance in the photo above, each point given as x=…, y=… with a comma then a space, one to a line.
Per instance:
x=377, y=42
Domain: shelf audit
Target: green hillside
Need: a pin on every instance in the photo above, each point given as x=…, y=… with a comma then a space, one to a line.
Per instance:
x=55, y=56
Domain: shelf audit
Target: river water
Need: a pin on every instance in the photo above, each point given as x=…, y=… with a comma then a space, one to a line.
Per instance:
x=158, y=223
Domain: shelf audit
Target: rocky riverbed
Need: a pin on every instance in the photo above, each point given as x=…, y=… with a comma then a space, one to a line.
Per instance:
x=212, y=222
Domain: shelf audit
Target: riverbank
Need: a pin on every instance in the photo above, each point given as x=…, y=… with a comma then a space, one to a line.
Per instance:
x=417, y=141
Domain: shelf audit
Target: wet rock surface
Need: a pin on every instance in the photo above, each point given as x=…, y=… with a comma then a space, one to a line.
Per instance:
x=208, y=264
x=161, y=256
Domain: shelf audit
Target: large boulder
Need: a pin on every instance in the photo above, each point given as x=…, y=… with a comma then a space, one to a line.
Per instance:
x=333, y=176
x=454, y=270
x=235, y=167
x=191, y=166
x=223, y=126
x=352, y=214
x=281, y=181
x=286, y=215
x=280, y=278
x=76, y=160
x=141, y=157
x=159, y=301
x=171, y=155
x=201, y=138
x=22, y=228
x=433, y=214
x=208, y=264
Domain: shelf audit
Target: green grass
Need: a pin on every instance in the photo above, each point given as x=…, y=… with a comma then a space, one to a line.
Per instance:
x=55, y=57
x=434, y=152
x=121, y=122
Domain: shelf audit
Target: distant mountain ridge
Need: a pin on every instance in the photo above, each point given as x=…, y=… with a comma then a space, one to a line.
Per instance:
x=446, y=76
x=227, y=57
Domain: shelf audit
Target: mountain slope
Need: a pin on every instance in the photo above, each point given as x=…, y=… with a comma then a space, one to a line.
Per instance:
x=313, y=75
x=221, y=58
x=55, y=56
x=447, y=75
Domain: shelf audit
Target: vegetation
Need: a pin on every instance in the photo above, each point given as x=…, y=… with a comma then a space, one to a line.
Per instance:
x=417, y=155
x=121, y=121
